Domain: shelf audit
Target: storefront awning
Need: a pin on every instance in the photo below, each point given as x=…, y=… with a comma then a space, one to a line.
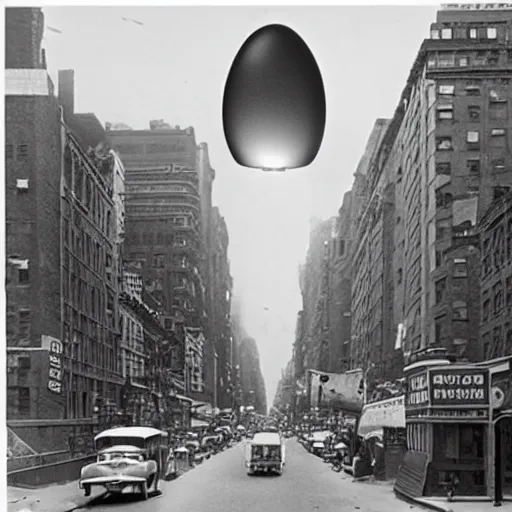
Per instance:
x=386, y=413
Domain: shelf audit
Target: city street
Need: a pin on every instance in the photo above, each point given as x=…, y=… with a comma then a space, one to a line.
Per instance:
x=221, y=483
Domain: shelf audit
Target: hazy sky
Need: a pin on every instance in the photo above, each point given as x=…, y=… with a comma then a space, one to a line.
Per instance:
x=174, y=68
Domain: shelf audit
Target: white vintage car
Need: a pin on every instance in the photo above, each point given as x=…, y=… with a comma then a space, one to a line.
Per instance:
x=129, y=460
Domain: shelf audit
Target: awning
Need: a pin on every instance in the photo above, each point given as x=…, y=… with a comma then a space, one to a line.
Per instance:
x=386, y=413
x=195, y=423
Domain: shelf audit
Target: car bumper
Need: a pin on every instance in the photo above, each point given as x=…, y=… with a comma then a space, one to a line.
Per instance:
x=111, y=480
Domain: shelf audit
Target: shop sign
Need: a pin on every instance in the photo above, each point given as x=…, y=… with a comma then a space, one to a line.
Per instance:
x=459, y=413
x=55, y=367
x=459, y=386
x=417, y=390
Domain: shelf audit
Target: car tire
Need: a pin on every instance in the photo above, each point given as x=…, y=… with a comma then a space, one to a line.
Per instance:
x=144, y=490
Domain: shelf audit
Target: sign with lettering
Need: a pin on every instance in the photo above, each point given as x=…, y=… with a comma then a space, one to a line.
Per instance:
x=54, y=347
x=459, y=413
x=476, y=7
x=459, y=386
x=417, y=390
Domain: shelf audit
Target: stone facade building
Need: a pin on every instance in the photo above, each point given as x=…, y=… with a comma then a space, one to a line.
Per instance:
x=496, y=279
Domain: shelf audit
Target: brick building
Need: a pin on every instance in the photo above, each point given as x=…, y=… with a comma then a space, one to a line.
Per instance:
x=33, y=133
x=496, y=279
x=445, y=154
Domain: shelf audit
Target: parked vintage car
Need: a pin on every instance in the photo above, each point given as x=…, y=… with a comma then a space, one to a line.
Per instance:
x=130, y=459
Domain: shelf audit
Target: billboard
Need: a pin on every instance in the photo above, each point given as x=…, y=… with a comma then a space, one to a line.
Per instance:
x=337, y=390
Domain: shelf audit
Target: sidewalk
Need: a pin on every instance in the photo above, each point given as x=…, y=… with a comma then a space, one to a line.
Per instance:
x=53, y=498
x=463, y=504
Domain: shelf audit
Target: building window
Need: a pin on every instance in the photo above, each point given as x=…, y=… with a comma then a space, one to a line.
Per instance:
x=494, y=58
x=439, y=258
x=473, y=166
x=159, y=260
x=446, y=90
x=474, y=113
x=23, y=276
x=446, y=33
x=438, y=331
x=498, y=164
x=473, y=34
x=434, y=34
x=472, y=90
x=497, y=111
x=24, y=323
x=446, y=60
x=460, y=310
x=443, y=168
x=22, y=153
x=24, y=401
x=444, y=112
x=508, y=285
x=498, y=298
x=460, y=268
x=440, y=289
x=498, y=138
x=9, y=151
x=497, y=97
x=463, y=62
x=473, y=138
x=444, y=144
x=486, y=310
x=160, y=238
x=492, y=33
x=341, y=248
x=24, y=363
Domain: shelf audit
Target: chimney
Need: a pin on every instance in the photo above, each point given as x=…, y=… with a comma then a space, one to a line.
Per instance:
x=67, y=92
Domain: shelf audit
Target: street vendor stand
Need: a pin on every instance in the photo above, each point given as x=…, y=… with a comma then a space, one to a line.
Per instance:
x=447, y=416
x=382, y=426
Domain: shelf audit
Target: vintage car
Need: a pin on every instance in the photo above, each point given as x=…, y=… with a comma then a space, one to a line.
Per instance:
x=130, y=459
x=265, y=453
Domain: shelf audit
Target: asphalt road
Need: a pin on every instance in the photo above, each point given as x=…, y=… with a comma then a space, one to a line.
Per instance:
x=221, y=484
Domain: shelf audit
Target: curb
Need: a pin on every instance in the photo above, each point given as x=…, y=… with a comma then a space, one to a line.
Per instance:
x=422, y=503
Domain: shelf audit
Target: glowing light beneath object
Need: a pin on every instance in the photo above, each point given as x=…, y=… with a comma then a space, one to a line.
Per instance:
x=274, y=102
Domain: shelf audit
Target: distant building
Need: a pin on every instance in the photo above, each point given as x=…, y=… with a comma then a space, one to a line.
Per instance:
x=222, y=286
x=496, y=279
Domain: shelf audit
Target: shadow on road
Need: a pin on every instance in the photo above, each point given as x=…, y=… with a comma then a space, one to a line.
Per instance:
x=121, y=499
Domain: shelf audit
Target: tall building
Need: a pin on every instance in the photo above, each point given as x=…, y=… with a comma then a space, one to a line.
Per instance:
x=372, y=253
x=496, y=279
x=62, y=245
x=221, y=306
x=164, y=233
x=24, y=28
x=33, y=147
x=442, y=161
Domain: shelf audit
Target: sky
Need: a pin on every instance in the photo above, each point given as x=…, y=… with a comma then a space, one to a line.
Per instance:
x=174, y=67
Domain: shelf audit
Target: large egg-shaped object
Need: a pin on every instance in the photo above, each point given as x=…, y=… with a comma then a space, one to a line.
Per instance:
x=274, y=102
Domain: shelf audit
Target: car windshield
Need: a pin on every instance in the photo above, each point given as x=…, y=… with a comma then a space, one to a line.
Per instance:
x=105, y=457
